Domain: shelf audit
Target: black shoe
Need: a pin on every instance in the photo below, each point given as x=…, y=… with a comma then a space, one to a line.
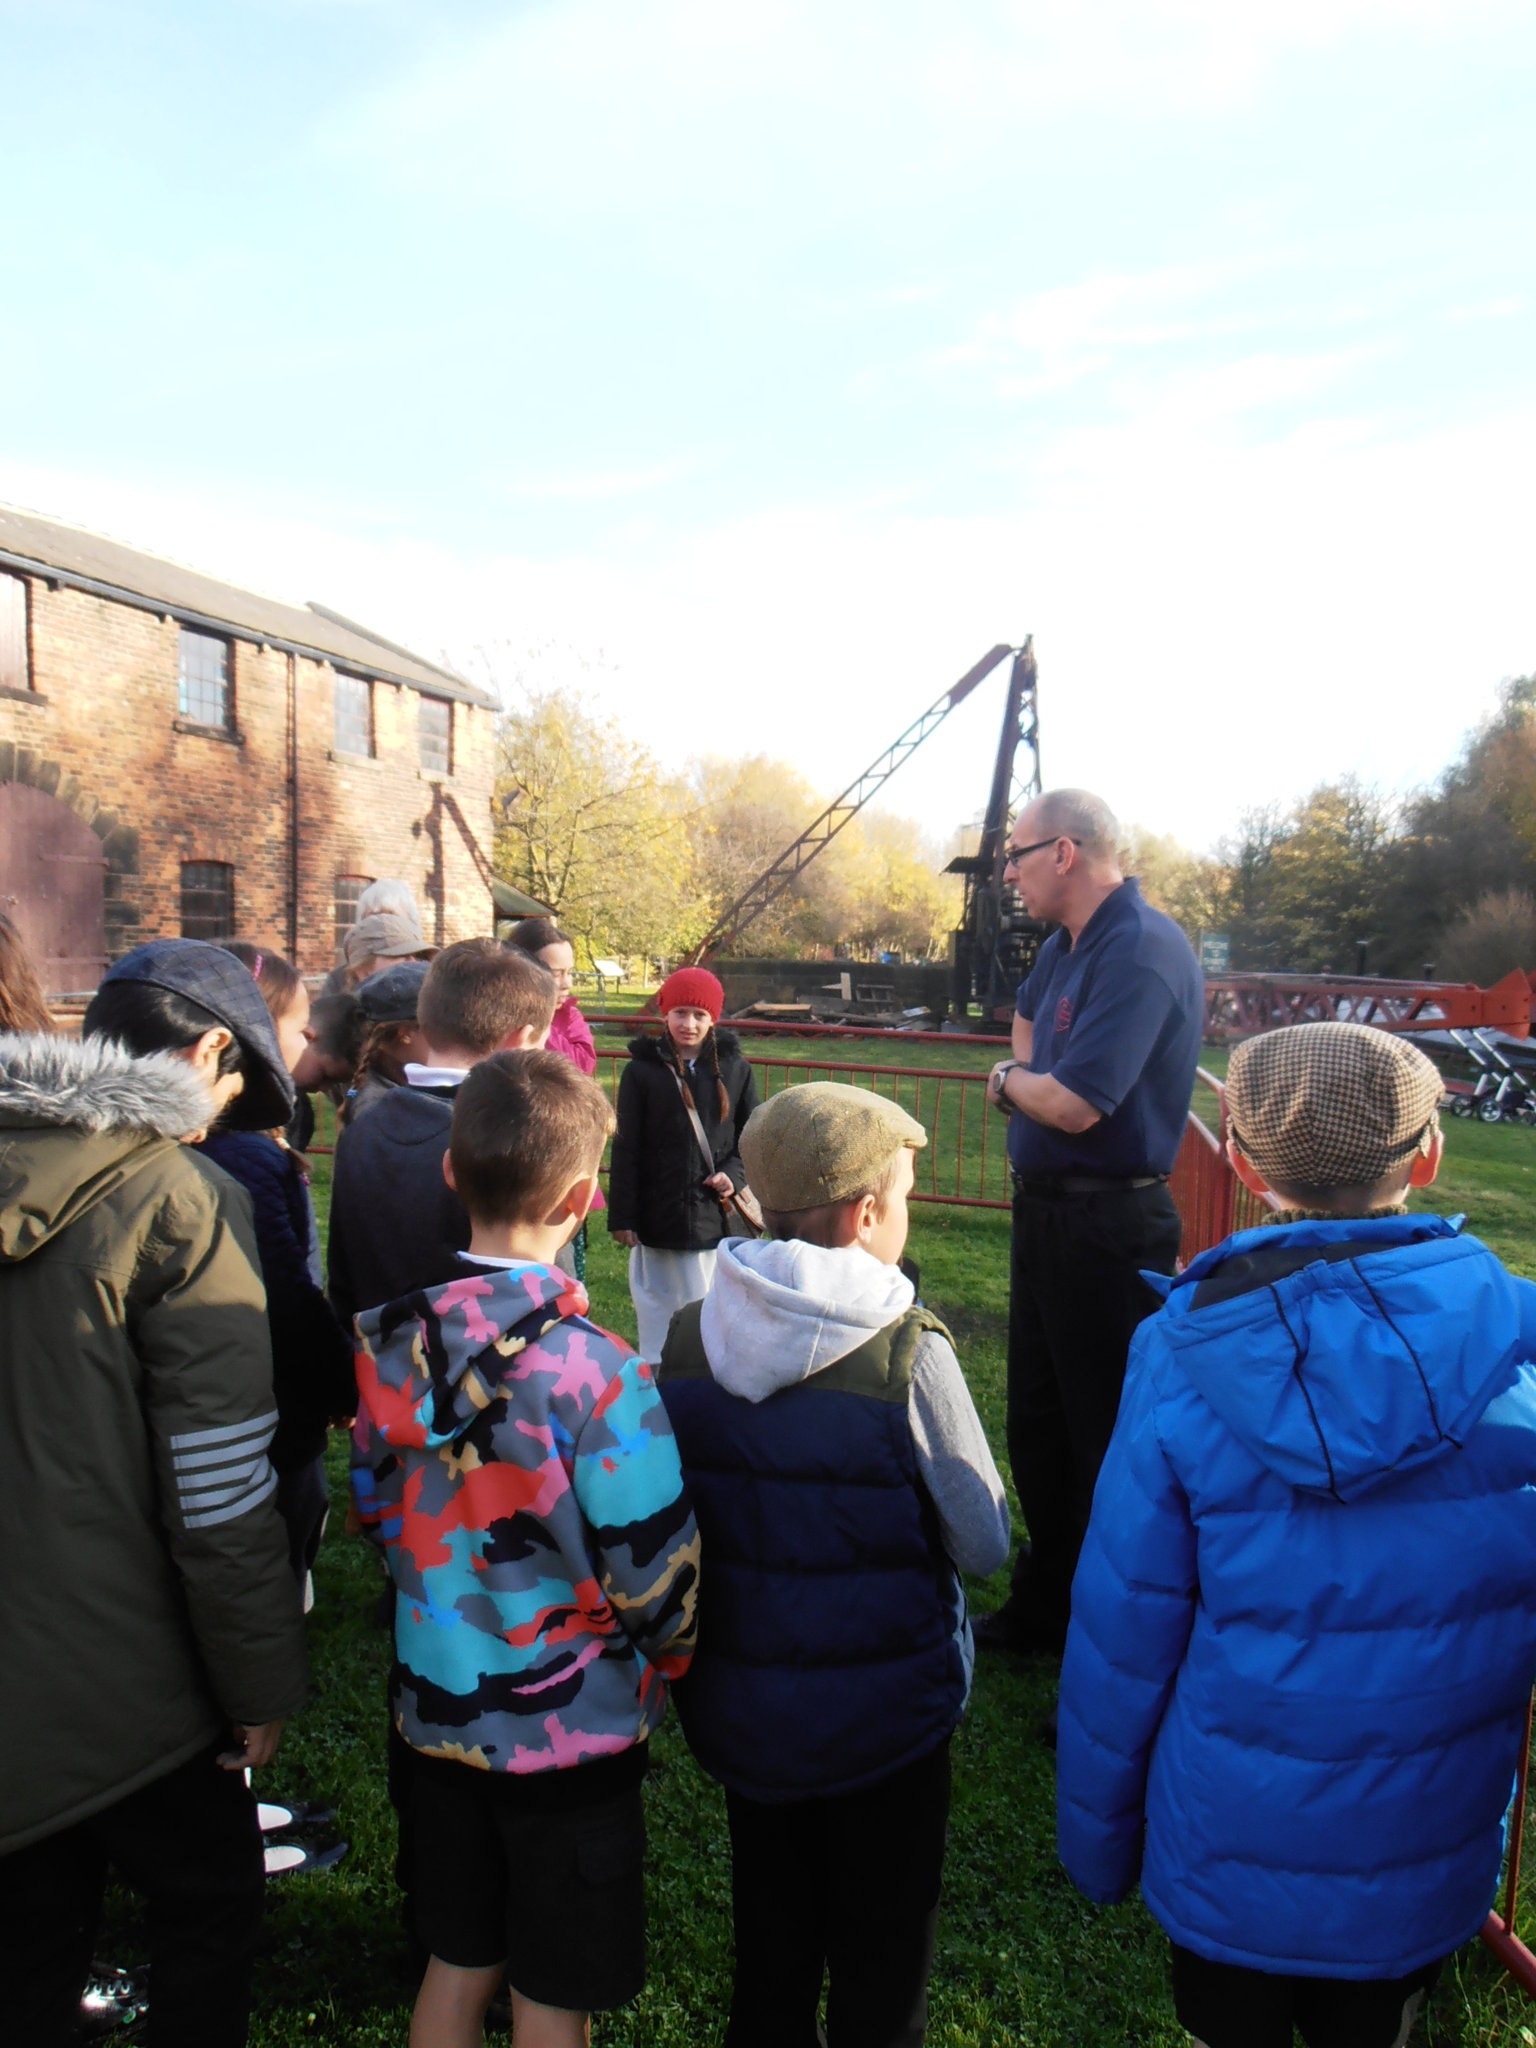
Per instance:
x=1008, y=1629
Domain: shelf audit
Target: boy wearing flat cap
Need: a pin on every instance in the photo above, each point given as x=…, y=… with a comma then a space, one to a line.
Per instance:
x=841, y=1481
x=1304, y=1623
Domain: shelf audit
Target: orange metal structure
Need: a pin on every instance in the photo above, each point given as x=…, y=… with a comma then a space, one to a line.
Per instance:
x=1240, y=1005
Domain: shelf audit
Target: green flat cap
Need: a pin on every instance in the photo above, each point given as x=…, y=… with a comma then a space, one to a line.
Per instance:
x=822, y=1142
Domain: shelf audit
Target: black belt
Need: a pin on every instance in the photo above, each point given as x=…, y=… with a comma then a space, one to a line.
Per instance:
x=1081, y=1183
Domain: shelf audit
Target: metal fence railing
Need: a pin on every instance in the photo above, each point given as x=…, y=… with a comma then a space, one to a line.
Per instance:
x=965, y=1163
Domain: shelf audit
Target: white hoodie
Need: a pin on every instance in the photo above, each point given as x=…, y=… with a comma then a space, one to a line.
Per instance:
x=780, y=1310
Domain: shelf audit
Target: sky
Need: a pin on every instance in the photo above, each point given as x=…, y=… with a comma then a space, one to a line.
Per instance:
x=757, y=369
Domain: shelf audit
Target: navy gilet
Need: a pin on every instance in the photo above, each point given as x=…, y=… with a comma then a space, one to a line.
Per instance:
x=829, y=1612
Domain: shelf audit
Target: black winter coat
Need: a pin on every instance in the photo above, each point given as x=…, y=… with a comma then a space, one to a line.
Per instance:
x=312, y=1374
x=656, y=1176
x=395, y=1223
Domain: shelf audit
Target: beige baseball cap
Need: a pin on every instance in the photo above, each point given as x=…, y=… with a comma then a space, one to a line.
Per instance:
x=383, y=935
x=821, y=1142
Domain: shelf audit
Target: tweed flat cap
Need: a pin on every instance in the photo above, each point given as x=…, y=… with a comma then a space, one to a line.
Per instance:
x=390, y=997
x=226, y=989
x=1331, y=1105
x=383, y=935
x=822, y=1142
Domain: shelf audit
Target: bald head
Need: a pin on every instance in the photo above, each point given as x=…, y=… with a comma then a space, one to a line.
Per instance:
x=1077, y=814
x=1064, y=856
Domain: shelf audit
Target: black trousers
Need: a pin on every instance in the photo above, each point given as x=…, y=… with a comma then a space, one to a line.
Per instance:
x=848, y=1885
x=190, y=1843
x=1224, y=2006
x=1075, y=1299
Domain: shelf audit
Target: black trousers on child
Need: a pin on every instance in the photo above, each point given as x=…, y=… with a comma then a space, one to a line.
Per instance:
x=848, y=1886
x=1075, y=1299
x=1226, y=2006
x=189, y=1842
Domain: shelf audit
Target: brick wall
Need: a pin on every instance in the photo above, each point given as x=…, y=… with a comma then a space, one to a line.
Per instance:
x=101, y=731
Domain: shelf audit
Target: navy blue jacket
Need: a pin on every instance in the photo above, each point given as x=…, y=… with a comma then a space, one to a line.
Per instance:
x=311, y=1353
x=1117, y=1019
x=396, y=1225
x=1304, y=1622
x=832, y=1627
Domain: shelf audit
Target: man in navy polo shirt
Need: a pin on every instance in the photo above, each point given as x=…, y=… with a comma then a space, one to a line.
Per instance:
x=1105, y=1042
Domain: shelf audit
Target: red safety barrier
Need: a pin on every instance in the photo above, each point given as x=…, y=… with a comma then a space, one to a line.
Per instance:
x=965, y=1164
x=1499, y=1928
x=1212, y=1202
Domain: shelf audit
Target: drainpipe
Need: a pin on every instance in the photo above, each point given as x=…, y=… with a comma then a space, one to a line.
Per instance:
x=293, y=809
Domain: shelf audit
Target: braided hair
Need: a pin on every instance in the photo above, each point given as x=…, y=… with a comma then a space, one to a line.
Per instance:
x=673, y=1058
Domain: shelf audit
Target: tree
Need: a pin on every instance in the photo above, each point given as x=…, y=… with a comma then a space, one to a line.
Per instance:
x=875, y=888
x=902, y=901
x=1483, y=944
x=743, y=813
x=1471, y=837
x=587, y=822
x=1306, y=888
x=1193, y=889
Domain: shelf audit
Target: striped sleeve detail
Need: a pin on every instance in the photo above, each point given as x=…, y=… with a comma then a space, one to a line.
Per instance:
x=223, y=1473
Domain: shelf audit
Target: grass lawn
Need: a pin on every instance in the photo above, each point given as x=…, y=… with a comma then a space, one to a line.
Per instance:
x=1021, y=1959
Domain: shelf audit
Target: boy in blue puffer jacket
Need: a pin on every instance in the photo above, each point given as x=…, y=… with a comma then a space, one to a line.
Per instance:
x=841, y=1481
x=1304, y=1623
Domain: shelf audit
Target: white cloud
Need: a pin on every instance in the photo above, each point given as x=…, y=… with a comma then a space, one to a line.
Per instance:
x=684, y=109
x=1217, y=625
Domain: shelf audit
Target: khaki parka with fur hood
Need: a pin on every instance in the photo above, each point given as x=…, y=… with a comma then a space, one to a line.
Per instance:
x=149, y=1601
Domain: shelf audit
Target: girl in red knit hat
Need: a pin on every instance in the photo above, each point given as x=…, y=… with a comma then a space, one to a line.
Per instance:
x=664, y=1200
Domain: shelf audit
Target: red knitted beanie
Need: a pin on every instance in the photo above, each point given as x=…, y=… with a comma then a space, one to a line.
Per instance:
x=691, y=988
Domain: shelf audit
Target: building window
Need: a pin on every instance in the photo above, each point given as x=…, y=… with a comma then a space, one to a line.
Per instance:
x=434, y=735
x=203, y=684
x=348, y=889
x=207, y=900
x=15, y=662
x=354, y=715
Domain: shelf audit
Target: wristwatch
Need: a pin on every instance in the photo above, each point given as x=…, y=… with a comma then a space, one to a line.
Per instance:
x=1000, y=1074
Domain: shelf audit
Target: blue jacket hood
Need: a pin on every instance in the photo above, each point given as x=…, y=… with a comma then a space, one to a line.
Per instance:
x=1326, y=1348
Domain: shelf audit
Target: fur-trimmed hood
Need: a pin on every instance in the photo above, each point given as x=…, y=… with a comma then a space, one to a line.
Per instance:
x=95, y=1084
x=77, y=1116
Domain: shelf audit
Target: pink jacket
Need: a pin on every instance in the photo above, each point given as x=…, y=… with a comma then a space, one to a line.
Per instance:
x=571, y=1034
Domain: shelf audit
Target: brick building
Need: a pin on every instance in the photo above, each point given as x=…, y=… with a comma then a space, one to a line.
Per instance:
x=180, y=756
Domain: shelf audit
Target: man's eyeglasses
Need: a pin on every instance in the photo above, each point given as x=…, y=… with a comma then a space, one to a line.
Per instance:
x=1018, y=853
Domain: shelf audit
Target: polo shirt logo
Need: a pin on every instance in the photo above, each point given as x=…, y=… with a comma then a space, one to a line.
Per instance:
x=1064, y=1014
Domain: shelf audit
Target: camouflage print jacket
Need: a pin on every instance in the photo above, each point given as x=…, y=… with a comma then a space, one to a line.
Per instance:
x=545, y=1552
x=150, y=1601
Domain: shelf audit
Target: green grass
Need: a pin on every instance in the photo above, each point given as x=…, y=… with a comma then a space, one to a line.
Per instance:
x=1022, y=1959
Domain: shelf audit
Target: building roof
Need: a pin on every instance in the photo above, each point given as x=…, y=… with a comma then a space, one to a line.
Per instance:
x=512, y=902
x=90, y=561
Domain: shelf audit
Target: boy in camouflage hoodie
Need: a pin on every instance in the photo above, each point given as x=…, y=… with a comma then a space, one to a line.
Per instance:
x=546, y=1563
